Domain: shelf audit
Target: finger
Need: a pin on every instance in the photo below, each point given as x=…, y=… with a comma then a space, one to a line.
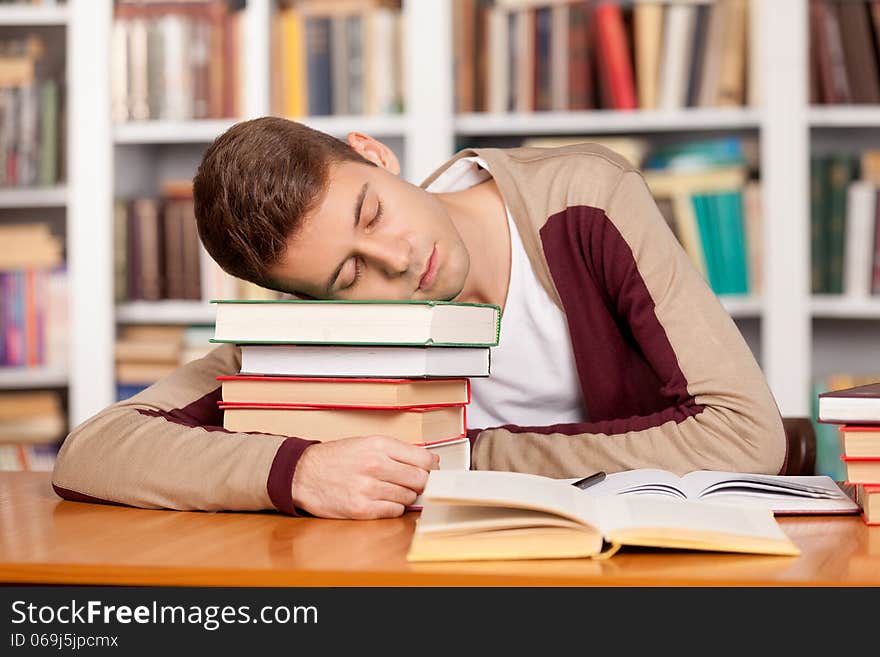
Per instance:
x=383, y=509
x=384, y=491
x=411, y=454
x=403, y=474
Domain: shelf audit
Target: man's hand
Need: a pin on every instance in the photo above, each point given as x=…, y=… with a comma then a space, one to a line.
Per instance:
x=361, y=478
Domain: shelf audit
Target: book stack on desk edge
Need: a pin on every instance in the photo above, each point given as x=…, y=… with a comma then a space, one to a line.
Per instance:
x=325, y=370
x=857, y=411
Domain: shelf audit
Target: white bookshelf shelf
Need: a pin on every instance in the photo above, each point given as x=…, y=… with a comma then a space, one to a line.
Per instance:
x=33, y=197
x=843, y=307
x=206, y=130
x=375, y=126
x=845, y=116
x=606, y=121
x=25, y=16
x=171, y=132
x=429, y=134
x=742, y=307
x=12, y=378
x=165, y=312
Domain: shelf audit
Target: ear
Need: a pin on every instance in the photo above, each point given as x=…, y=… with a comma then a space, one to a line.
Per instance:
x=374, y=151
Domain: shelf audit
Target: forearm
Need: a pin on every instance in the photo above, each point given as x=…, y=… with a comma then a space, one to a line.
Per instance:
x=714, y=438
x=166, y=448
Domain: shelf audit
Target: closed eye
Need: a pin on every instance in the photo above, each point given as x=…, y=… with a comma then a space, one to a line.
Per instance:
x=358, y=268
x=378, y=215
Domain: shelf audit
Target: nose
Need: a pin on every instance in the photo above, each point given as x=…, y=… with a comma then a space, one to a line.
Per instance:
x=391, y=255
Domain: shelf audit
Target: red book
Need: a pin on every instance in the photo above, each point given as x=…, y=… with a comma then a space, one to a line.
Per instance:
x=862, y=469
x=867, y=496
x=875, y=274
x=344, y=392
x=417, y=426
x=580, y=56
x=860, y=441
x=615, y=63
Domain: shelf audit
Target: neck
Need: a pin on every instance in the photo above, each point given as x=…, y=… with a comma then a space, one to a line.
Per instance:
x=480, y=217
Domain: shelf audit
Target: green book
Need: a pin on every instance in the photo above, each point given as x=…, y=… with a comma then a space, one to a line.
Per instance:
x=399, y=323
x=842, y=171
x=708, y=238
x=48, y=174
x=818, y=197
x=828, y=447
x=733, y=242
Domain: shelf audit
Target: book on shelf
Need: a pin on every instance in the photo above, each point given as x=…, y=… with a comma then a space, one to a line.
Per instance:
x=33, y=288
x=30, y=104
x=291, y=321
x=858, y=251
x=341, y=58
x=614, y=65
x=417, y=426
x=379, y=361
x=31, y=417
x=176, y=61
x=856, y=405
x=473, y=515
x=27, y=458
x=713, y=209
x=868, y=498
x=648, y=38
x=678, y=42
x=782, y=494
x=338, y=392
x=146, y=353
x=157, y=252
x=561, y=55
x=843, y=57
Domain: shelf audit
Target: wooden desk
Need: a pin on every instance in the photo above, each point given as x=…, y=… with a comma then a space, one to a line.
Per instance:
x=49, y=541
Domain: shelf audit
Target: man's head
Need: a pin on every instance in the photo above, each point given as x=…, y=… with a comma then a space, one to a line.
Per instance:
x=294, y=209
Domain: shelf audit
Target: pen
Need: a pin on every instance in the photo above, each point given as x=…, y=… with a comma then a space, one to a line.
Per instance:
x=586, y=482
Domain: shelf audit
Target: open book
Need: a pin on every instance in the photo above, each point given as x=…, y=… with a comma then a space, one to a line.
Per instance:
x=477, y=514
x=779, y=493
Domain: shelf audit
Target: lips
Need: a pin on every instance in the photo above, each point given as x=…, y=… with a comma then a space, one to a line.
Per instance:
x=430, y=271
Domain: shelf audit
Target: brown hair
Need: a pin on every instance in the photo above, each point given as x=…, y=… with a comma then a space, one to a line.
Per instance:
x=253, y=187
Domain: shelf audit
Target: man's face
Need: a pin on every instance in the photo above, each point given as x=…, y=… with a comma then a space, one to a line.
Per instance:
x=375, y=236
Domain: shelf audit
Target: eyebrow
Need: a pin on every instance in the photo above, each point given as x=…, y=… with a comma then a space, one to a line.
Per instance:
x=358, y=205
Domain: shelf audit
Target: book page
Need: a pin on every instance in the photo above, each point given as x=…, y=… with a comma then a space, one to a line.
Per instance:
x=679, y=520
x=705, y=483
x=509, y=489
x=645, y=481
x=451, y=519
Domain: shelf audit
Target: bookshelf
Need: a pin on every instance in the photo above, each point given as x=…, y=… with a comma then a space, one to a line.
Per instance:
x=31, y=15
x=779, y=325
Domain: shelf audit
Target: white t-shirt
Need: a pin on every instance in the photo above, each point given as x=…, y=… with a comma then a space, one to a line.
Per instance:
x=533, y=379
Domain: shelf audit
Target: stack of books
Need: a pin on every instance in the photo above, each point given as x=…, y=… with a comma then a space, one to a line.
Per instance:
x=325, y=370
x=857, y=411
x=32, y=423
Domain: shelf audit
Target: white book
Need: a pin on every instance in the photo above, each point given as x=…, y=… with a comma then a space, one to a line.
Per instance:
x=454, y=455
x=331, y=360
x=559, y=58
x=782, y=494
x=859, y=235
x=119, y=70
x=499, y=74
x=176, y=103
x=400, y=323
x=138, y=84
x=482, y=514
x=678, y=36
